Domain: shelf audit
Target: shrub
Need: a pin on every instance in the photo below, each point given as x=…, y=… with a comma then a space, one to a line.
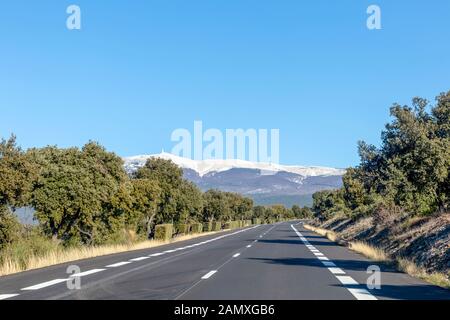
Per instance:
x=164, y=232
x=256, y=221
x=182, y=228
x=197, y=228
x=207, y=226
x=32, y=244
x=217, y=226
x=10, y=227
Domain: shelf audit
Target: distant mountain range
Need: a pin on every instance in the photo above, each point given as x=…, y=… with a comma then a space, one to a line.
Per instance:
x=266, y=183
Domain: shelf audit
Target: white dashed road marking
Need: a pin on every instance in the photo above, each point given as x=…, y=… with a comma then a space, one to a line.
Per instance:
x=7, y=296
x=236, y=255
x=118, y=264
x=139, y=259
x=44, y=284
x=156, y=254
x=86, y=273
x=209, y=274
x=349, y=283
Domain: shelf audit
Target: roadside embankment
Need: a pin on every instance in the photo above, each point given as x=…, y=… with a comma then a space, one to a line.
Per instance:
x=419, y=246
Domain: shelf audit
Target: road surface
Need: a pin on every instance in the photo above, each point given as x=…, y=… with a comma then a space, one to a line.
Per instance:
x=267, y=262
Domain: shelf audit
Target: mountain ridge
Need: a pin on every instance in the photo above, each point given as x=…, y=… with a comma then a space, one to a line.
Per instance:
x=265, y=183
x=203, y=167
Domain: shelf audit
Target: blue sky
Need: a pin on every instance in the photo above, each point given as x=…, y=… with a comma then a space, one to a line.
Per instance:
x=140, y=69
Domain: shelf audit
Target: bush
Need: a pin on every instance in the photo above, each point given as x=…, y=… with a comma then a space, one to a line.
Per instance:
x=217, y=226
x=256, y=221
x=232, y=225
x=182, y=228
x=164, y=232
x=207, y=226
x=197, y=228
x=10, y=227
x=32, y=244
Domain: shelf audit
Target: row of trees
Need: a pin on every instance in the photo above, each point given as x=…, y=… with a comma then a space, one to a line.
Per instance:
x=84, y=196
x=409, y=172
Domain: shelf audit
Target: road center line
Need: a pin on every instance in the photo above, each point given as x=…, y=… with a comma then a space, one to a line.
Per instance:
x=44, y=284
x=209, y=274
x=236, y=255
x=118, y=264
x=7, y=296
x=139, y=259
x=86, y=273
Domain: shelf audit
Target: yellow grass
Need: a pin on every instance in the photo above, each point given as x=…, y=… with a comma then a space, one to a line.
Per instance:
x=412, y=269
x=331, y=235
x=371, y=252
x=60, y=255
x=378, y=254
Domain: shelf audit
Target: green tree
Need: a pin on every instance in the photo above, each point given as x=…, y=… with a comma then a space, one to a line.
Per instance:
x=17, y=174
x=10, y=228
x=75, y=190
x=146, y=197
x=169, y=178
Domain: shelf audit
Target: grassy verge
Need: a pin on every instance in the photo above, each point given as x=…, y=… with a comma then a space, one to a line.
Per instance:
x=378, y=254
x=20, y=260
x=331, y=235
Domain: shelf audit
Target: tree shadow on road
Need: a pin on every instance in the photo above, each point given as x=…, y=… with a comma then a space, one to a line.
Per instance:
x=299, y=242
x=398, y=288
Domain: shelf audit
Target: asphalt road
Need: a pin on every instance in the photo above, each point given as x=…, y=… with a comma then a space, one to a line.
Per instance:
x=281, y=261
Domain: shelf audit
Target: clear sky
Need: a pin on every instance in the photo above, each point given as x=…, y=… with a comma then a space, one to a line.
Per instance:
x=139, y=69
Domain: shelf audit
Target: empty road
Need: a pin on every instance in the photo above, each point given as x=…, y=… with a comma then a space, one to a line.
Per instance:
x=267, y=262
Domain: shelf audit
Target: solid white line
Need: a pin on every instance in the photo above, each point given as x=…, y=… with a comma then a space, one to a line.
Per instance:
x=44, y=284
x=139, y=259
x=86, y=273
x=209, y=274
x=7, y=296
x=169, y=251
x=118, y=264
x=236, y=255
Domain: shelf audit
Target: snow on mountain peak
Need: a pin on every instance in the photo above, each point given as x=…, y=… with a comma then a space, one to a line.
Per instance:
x=203, y=167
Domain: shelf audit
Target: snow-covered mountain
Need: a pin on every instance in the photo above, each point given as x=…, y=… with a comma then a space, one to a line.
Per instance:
x=266, y=183
x=203, y=167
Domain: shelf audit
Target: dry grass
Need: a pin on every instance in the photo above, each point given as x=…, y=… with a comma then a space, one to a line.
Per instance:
x=412, y=269
x=378, y=254
x=331, y=235
x=369, y=251
x=61, y=255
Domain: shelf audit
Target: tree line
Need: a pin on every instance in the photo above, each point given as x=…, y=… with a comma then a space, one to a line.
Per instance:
x=408, y=173
x=85, y=197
